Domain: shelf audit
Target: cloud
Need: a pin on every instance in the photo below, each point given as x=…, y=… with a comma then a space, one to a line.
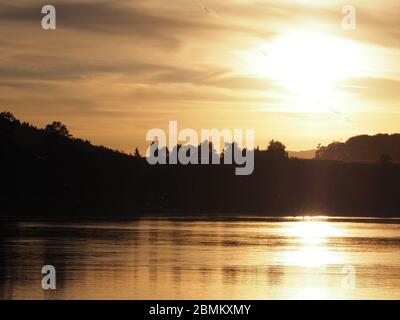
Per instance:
x=373, y=88
x=142, y=62
x=377, y=21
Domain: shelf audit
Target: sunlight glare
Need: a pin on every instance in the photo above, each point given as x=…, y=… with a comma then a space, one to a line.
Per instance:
x=312, y=231
x=308, y=65
x=311, y=237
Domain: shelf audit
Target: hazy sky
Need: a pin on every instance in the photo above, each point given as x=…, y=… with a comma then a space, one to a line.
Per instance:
x=115, y=69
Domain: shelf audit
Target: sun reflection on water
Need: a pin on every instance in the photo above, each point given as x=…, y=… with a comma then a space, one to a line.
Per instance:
x=312, y=232
x=310, y=250
x=310, y=243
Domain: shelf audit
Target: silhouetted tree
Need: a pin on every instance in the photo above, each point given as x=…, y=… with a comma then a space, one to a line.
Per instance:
x=8, y=116
x=137, y=153
x=58, y=128
x=320, y=153
x=277, y=150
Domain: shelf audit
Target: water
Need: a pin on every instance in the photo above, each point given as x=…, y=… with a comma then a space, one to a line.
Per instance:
x=203, y=258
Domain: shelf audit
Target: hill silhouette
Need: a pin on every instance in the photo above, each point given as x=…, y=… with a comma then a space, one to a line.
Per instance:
x=49, y=172
x=307, y=154
x=363, y=148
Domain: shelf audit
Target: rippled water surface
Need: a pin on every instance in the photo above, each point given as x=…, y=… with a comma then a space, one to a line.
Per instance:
x=203, y=258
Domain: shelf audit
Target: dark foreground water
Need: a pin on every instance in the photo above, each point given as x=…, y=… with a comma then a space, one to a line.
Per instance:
x=202, y=258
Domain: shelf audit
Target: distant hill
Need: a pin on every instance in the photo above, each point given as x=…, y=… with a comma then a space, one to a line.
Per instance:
x=379, y=147
x=308, y=154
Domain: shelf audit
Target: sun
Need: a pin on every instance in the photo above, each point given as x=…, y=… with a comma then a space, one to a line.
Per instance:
x=308, y=66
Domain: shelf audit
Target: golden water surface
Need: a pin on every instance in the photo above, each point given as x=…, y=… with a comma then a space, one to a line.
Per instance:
x=203, y=258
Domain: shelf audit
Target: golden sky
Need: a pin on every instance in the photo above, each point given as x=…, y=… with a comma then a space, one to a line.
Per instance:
x=113, y=69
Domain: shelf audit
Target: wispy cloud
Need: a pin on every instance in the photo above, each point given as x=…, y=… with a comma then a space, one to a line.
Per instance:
x=137, y=62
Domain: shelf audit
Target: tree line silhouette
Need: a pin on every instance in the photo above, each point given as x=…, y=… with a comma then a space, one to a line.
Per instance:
x=48, y=172
x=380, y=147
